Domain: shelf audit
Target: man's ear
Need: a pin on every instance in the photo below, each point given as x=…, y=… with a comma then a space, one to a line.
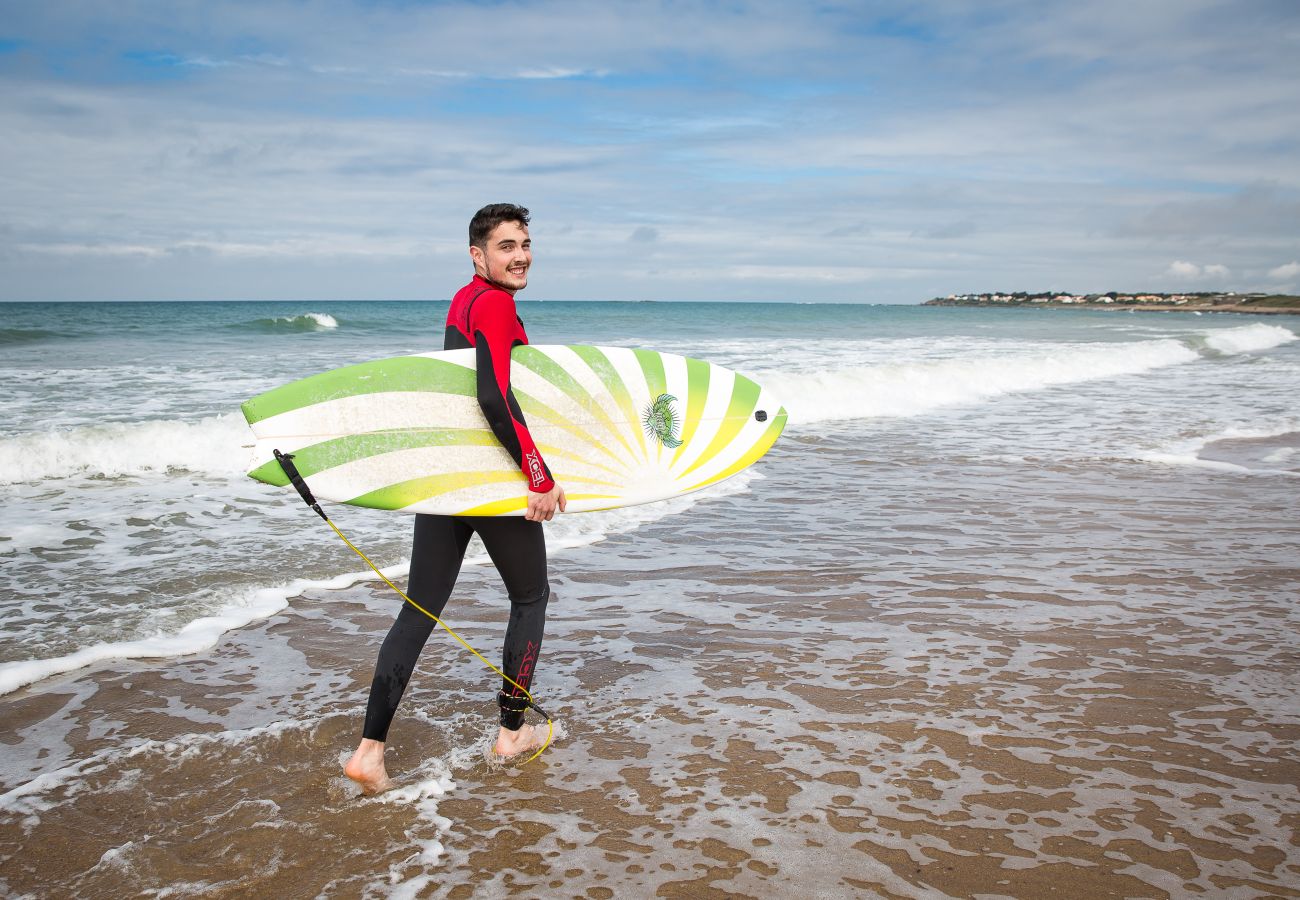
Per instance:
x=476, y=254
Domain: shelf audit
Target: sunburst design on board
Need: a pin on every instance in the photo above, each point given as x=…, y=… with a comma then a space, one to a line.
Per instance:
x=617, y=426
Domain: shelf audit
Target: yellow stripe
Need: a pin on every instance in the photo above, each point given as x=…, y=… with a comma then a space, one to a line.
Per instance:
x=551, y=450
x=698, y=376
x=405, y=493
x=744, y=397
x=513, y=504
x=531, y=406
x=598, y=361
x=546, y=368
x=756, y=452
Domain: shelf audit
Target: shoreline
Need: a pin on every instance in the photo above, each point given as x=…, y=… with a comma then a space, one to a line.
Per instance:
x=970, y=631
x=794, y=717
x=1130, y=307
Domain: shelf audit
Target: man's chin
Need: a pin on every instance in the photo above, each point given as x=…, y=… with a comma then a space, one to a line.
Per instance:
x=510, y=282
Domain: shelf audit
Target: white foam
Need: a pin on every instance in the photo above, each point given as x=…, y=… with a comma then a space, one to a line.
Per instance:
x=915, y=388
x=1248, y=338
x=1186, y=452
x=324, y=320
x=1191, y=461
x=21, y=538
x=424, y=795
x=200, y=634
x=251, y=605
x=195, y=636
x=567, y=532
x=912, y=377
x=209, y=446
x=438, y=785
x=29, y=799
x=313, y=320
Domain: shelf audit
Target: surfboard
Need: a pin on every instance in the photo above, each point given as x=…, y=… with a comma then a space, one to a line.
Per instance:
x=617, y=427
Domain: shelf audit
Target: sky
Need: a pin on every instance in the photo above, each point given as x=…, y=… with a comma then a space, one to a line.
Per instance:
x=874, y=152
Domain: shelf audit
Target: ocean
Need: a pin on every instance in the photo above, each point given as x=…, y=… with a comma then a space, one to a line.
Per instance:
x=1010, y=607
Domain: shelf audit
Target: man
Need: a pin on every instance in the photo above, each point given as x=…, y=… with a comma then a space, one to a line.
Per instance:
x=482, y=316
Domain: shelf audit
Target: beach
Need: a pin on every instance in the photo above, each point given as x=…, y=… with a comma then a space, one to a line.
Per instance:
x=1010, y=610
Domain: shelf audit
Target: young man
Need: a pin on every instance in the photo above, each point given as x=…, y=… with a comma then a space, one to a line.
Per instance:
x=482, y=316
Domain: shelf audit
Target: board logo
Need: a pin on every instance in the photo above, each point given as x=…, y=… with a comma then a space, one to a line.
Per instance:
x=661, y=422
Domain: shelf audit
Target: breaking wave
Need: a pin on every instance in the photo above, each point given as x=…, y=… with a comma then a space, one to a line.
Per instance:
x=211, y=446
x=306, y=322
x=915, y=387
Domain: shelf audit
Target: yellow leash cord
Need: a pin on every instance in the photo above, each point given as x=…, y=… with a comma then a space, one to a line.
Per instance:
x=305, y=492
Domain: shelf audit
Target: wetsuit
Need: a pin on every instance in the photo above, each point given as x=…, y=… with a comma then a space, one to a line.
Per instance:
x=482, y=316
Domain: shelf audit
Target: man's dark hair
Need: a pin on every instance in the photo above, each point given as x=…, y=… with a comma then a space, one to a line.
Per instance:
x=489, y=217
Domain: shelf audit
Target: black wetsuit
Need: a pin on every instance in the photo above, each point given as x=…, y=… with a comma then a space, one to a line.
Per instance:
x=481, y=316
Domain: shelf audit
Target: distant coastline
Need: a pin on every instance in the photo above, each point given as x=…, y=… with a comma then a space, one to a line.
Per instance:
x=1202, y=301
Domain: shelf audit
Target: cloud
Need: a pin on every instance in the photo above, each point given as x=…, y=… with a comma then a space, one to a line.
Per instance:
x=1258, y=209
x=1179, y=270
x=1285, y=272
x=949, y=231
x=1078, y=146
x=853, y=229
x=560, y=72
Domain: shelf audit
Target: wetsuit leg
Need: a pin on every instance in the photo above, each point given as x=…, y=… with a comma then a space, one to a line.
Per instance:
x=518, y=549
x=436, y=554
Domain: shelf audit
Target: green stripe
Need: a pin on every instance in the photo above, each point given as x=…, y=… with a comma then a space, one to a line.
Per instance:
x=744, y=396
x=752, y=455
x=698, y=373
x=551, y=371
x=652, y=364
x=532, y=408
x=652, y=367
x=404, y=493
x=599, y=363
x=350, y=448
x=402, y=373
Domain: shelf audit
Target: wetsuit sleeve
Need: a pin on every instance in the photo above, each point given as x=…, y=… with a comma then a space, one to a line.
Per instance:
x=496, y=331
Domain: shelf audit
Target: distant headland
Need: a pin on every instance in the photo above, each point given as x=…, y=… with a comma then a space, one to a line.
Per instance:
x=1201, y=301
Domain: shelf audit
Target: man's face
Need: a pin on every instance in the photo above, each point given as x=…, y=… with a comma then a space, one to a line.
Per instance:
x=506, y=257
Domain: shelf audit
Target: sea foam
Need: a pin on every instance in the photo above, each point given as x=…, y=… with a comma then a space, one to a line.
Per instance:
x=244, y=607
x=1248, y=338
x=198, y=635
x=311, y=321
x=1187, y=452
x=210, y=446
x=917, y=386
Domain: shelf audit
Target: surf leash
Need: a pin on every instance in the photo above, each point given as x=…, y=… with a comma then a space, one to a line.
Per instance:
x=300, y=485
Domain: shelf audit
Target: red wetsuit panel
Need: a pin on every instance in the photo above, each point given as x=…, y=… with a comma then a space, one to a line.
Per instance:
x=483, y=316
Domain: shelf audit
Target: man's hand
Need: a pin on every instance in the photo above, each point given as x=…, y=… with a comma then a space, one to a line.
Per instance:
x=542, y=507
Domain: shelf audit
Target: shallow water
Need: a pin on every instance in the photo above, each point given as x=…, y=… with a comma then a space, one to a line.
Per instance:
x=1034, y=642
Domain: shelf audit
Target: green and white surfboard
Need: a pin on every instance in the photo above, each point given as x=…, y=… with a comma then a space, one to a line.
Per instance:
x=617, y=427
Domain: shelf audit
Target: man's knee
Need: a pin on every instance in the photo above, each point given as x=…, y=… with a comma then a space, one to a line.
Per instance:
x=536, y=595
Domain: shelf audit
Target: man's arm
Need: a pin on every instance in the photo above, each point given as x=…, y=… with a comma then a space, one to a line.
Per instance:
x=494, y=326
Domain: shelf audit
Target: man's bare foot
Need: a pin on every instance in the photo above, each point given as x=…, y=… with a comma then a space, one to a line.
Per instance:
x=512, y=743
x=366, y=767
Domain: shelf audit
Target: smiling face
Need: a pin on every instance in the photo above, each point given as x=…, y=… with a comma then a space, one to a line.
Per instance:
x=505, y=256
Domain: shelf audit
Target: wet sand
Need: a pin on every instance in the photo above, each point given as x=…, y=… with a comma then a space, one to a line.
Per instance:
x=978, y=677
